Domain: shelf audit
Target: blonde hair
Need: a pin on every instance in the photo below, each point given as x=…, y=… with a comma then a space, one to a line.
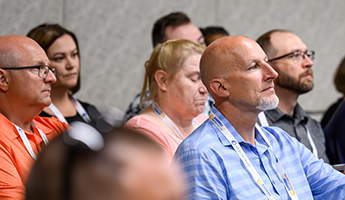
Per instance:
x=169, y=57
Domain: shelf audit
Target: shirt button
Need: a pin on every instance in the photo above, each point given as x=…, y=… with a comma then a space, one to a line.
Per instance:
x=273, y=182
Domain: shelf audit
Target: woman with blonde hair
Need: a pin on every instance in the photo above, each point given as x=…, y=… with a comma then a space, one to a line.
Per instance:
x=179, y=96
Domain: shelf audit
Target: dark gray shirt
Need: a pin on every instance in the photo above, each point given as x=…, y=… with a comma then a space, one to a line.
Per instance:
x=295, y=126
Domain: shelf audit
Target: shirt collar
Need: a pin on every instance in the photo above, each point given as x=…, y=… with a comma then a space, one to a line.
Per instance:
x=8, y=128
x=11, y=130
x=276, y=114
x=227, y=124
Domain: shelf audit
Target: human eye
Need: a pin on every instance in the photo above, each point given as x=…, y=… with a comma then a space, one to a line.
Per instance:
x=43, y=70
x=252, y=67
x=297, y=53
x=195, y=77
x=74, y=54
x=58, y=59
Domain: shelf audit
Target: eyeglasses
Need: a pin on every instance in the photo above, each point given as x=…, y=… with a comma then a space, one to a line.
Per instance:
x=297, y=55
x=43, y=70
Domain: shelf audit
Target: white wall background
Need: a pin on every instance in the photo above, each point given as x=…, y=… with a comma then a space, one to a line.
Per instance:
x=115, y=36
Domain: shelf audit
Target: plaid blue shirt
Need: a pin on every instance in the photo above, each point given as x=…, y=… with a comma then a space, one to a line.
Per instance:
x=213, y=170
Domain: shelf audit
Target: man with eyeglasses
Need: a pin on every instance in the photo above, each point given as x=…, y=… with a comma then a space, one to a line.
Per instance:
x=230, y=156
x=25, y=83
x=289, y=56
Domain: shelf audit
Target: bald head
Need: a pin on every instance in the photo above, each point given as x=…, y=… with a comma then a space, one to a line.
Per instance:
x=220, y=56
x=236, y=72
x=14, y=49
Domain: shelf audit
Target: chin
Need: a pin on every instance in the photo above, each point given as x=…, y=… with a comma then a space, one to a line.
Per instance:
x=46, y=102
x=198, y=111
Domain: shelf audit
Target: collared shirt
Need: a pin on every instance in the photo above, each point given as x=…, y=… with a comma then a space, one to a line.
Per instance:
x=134, y=108
x=213, y=169
x=15, y=160
x=295, y=126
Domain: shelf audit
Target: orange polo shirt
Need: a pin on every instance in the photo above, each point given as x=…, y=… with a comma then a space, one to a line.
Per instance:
x=15, y=160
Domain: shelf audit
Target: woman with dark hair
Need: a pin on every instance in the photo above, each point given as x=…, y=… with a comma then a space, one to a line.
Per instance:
x=339, y=82
x=61, y=47
x=333, y=122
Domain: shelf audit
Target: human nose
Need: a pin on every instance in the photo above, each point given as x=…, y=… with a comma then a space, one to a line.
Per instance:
x=270, y=73
x=202, y=88
x=71, y=62
x=307, y=62
x=50, y=77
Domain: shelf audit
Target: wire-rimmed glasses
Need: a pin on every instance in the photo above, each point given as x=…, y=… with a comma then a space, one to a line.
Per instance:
x=297, y=55
x=43, y=70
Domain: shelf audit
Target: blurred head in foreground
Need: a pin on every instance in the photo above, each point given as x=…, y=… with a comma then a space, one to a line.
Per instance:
x=121, y=164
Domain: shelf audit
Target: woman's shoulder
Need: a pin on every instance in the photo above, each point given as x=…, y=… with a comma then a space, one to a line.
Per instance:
x=200, y=119
x=141, y=121
x=90, y=109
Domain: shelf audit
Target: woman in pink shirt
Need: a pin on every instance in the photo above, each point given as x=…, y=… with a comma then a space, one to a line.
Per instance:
x=179, y=96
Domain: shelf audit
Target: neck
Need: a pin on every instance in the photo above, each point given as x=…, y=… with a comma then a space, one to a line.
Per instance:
x=61, y=99
x=287, y=100
x=242, y=120
x=21, y=117
x=59, y=95
x=183, y=123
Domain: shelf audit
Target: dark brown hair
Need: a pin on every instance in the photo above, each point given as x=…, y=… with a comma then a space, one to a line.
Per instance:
x=339, y=77
x=46, y=34
x=173, y=19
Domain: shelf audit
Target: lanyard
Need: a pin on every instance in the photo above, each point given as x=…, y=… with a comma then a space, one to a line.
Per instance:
x=26, y=140
x=248, y=164
x=263, y=120
x=78, y=107
x=168, y=121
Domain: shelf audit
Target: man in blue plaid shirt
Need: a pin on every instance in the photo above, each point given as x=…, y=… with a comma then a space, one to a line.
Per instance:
x=230, y=156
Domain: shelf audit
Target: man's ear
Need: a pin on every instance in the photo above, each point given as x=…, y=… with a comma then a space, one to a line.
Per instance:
x=219, y=87
x=161, y=79
x=3, y=80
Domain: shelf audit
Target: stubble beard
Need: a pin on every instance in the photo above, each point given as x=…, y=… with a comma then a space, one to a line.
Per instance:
x=268, y=103
x=286, y=81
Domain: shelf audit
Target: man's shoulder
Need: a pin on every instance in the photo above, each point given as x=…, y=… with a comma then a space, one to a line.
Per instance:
x=50, y=125
x=203, y=140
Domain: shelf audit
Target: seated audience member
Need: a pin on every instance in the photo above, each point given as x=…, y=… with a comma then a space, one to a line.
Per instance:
x=335, y=137
x=339, y=82
x=61, y=47
x=231, y=157
x=25, y=84
x=119, y=165
x=289, y=56
x=212, y=33
x=177, y=92
x=176, y=25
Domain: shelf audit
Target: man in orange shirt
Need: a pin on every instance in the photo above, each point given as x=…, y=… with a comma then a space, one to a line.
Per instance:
x=25, y=83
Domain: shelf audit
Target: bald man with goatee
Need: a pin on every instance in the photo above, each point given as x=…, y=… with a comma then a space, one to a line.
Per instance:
x=231, y=157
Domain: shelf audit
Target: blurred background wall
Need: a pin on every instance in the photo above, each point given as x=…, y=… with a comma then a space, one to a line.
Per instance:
x=115, y=37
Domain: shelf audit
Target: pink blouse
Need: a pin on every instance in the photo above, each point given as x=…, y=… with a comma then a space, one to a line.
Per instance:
x=168, y=141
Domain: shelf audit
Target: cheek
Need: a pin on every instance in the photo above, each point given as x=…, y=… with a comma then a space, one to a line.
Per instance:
x=59, y=67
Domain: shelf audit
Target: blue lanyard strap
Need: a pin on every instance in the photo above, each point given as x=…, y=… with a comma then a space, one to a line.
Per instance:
x=166, y=119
